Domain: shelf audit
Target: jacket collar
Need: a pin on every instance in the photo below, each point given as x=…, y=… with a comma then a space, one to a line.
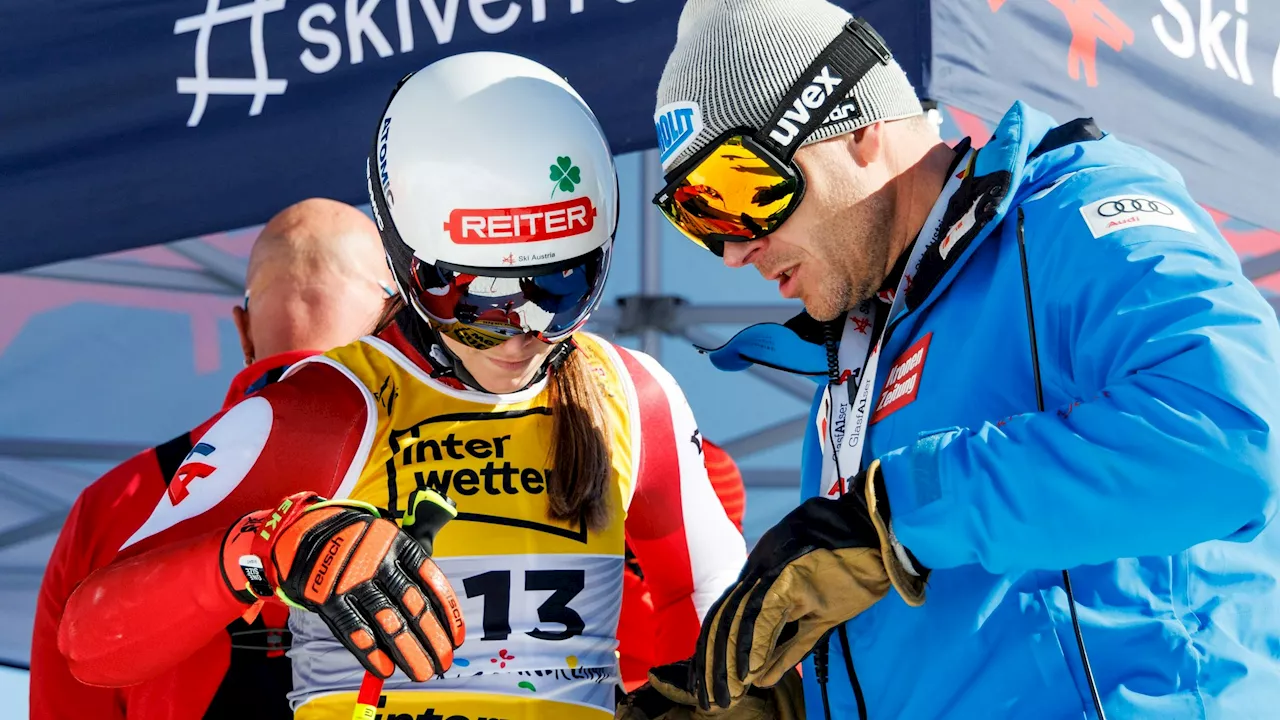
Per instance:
x=262, y=373
x=994, y=179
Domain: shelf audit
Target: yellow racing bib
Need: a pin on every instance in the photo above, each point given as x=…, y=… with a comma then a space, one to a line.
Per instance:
x=541, y=597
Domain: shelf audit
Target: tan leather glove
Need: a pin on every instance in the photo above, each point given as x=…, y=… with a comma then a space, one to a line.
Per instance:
x=823, y=564
x=665, y=698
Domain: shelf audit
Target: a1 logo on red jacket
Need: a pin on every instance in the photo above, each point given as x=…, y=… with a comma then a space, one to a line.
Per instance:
x=213, y=468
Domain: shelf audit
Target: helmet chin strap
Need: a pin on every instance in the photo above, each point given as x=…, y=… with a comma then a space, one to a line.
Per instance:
x=459, y=368
x=427, y=341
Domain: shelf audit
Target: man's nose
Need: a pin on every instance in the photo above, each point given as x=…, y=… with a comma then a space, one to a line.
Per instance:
x=738, y=254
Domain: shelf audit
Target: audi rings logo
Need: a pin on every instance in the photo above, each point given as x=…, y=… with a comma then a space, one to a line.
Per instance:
x=1122, y=212
x=1122, y=206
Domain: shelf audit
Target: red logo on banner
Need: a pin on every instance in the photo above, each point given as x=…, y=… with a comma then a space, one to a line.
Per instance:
x=1091, y=22
x=500, y=226
x=902, y=384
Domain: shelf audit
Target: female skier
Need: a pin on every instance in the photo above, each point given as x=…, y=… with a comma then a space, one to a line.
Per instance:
x=496, y=196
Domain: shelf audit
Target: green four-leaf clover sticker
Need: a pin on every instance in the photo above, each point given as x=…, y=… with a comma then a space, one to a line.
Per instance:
x=565, y=175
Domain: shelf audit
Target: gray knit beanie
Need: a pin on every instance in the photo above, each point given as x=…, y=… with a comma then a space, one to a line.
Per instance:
x=734, y=61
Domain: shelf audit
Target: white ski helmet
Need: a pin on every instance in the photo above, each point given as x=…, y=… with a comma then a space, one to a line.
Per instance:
x=496, y=196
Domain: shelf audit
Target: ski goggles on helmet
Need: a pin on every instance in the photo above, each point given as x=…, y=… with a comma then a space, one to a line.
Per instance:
x=484, y=310
x=745, y=184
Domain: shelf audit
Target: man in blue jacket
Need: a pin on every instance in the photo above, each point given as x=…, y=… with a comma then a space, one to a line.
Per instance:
x=1041, y=356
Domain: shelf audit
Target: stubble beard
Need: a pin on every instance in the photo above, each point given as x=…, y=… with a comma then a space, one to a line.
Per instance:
x=855, y=245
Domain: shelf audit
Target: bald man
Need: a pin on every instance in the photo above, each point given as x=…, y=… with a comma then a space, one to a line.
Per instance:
x=316, y=271
x=317, y=279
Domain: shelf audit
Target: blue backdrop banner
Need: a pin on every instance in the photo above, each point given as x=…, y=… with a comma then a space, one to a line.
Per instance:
x=126, y=123
x=1195, y=81
x=133, y=122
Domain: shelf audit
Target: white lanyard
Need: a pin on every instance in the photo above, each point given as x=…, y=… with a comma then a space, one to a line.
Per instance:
x=842, y=426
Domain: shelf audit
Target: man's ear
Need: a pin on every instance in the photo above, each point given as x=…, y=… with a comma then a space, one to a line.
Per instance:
x=866, y=144
x=241, y=317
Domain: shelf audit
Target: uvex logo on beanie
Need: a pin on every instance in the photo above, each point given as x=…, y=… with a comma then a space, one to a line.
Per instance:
x=735, y=60
x=811, y=98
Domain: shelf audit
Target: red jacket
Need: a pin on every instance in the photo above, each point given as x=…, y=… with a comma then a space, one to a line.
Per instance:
x=214, y=682
x=637, y=651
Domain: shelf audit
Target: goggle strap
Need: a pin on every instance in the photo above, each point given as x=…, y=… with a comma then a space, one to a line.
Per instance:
x=850, y=56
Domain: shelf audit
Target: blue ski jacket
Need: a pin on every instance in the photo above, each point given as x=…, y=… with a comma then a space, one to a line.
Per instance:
x=1153, y=473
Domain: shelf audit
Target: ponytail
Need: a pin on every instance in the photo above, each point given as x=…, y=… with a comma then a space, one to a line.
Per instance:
x=581, y=464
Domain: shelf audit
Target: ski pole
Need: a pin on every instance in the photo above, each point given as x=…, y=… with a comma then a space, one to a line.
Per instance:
x=428, y=513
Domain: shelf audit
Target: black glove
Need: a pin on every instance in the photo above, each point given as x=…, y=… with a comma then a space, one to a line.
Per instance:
x=666, y=698
x=823, y=564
